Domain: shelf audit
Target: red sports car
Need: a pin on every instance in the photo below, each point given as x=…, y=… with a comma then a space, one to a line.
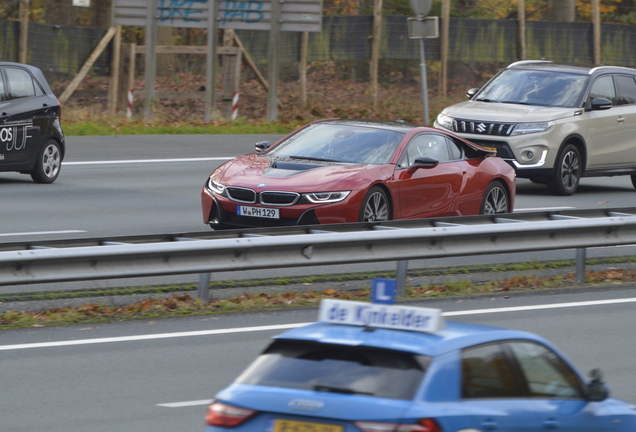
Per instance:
x=335, y=171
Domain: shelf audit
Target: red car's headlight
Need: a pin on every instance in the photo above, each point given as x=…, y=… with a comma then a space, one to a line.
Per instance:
x=327, y=197
x=215, y=186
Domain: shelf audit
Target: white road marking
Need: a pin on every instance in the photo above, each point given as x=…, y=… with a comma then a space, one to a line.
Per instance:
x=40, y=233
x=147, y=161
x=290, y=326
x=186, y=404
x=517, y=210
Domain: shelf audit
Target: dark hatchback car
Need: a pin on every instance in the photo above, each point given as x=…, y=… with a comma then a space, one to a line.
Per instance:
x=31, y=136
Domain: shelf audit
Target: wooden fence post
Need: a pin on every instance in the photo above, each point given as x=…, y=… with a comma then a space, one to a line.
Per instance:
x=24, y=31
x=596, y=24
x=443, y=71
x=522, y=29
x=126, y=74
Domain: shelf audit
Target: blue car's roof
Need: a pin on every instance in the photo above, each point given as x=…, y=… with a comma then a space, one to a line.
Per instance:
x=454, y=336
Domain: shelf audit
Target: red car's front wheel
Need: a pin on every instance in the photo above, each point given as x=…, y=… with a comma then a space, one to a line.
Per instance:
x=375, y=206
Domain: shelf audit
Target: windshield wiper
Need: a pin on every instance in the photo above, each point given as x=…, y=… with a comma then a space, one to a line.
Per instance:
x=313, y=158
x=331, y=389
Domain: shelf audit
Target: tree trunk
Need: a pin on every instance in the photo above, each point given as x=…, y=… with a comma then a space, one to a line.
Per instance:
x=561, y=10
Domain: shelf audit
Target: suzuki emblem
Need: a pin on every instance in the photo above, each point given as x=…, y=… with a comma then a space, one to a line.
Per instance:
x=481, y=128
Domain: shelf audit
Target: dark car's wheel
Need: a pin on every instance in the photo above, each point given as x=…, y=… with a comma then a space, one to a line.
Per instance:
x=495, y=199
x=375, y=206
x=567, y=172
x=48, y=164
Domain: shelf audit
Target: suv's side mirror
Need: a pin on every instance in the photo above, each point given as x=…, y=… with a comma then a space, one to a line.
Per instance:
x=260, y=147
x=472, y=92
x=596, y=390
x=600, y=103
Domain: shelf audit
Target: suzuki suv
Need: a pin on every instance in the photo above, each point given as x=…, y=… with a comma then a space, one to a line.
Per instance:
x=553, y=123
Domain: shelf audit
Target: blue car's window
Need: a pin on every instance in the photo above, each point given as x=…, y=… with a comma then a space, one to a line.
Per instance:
x=487, y=373
x=338, y=369
x=531, y=87
x=341, y=143
x=545, y=373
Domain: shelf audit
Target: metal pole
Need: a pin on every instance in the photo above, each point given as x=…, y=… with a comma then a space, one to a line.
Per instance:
x=204, y=287
x=400, y=277
x=423, y=79
x=273, y=62
x=210, y=62
x=151, y=58
x=580, y=265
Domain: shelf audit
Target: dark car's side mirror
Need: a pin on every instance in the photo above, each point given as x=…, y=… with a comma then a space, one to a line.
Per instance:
x=600, y=103
x=424, y=162
x=260, y=147
x=472, y=92
x=596, y=389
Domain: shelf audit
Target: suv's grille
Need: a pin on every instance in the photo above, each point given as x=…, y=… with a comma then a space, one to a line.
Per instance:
x=279, y=198
x=482, y=128
x=241, y=195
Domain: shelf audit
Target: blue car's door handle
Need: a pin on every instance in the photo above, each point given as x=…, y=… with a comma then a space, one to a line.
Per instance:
x=551, y=424
x=489, y=425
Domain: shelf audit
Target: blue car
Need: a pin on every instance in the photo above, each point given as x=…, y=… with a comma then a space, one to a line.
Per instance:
x=389, y=368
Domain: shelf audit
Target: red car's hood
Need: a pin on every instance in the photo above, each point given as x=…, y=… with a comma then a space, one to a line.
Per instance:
x=252, y=170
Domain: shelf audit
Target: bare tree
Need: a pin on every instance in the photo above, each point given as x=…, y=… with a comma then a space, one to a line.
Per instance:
x=561, y=10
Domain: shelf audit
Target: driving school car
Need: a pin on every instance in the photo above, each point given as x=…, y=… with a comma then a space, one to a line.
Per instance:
x=390, y=368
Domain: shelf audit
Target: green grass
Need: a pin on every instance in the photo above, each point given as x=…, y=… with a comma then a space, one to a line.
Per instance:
x=104, y=126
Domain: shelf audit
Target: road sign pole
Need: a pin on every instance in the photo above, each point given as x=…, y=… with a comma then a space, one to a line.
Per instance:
x=151, y=58
x=424, y=84
x=273, y=63
x=210, y=62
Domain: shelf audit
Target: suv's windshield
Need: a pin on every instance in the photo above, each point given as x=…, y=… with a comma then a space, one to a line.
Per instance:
x=338, y=369
x=531, y=87
x=341, y=143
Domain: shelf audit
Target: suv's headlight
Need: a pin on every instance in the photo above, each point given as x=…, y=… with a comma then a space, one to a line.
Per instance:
x=445, y=121
x=528, y=128
x=216, y=186
x=327, y=197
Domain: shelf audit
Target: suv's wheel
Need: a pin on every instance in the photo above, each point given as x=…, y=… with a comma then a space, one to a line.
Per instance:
x=567, y=172
x=48, y=164
x=495, y=199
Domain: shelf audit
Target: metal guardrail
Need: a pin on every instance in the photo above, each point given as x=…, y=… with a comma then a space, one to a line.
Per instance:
x=213, y=251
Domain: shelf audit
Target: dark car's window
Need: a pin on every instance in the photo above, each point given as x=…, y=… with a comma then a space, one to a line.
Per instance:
x=626, y=88
x=603, y=87
x=21, y=83
x=341, y=143
x=337, y=368
x=428, y=145
x=487, y=373
x=545, y=373
x=3, y=95
x=546, y=88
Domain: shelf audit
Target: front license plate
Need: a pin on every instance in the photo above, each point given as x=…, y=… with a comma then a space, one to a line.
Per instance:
x=262, y=212
x=281, y=425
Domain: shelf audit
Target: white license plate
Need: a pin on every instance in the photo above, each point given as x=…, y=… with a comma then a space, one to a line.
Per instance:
x=262, y=212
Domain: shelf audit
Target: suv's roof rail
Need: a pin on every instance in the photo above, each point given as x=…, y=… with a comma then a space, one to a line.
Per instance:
x=522, y=62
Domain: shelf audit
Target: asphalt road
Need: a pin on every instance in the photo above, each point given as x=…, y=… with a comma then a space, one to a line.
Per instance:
x=150, y=184
x=158, y=376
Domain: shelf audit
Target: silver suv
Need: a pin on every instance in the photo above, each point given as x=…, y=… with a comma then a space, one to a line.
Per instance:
x=553, y=123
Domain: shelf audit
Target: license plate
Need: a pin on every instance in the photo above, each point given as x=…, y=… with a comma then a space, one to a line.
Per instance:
x=281, y=425
x=262, y=212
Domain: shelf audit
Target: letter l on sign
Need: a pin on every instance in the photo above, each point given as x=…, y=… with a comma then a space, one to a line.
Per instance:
x=383, y=291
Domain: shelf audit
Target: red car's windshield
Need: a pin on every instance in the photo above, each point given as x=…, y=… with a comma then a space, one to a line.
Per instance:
x=341, y=143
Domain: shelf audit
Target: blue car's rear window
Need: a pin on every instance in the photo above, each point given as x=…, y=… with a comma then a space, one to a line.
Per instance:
x=337, y=368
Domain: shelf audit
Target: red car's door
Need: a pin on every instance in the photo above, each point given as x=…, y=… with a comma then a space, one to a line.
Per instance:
x=423, y=190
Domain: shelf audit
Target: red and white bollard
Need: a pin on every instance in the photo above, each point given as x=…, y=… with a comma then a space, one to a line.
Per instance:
x=235, y=99
x=129, y=104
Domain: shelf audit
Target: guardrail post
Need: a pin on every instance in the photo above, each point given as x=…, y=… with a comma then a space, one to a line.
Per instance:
x=204, y=287
x=580, y=265
x=400, y=277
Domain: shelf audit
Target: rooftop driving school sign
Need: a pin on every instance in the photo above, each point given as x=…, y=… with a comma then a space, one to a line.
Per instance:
x=377, y=315
x=295, y=15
